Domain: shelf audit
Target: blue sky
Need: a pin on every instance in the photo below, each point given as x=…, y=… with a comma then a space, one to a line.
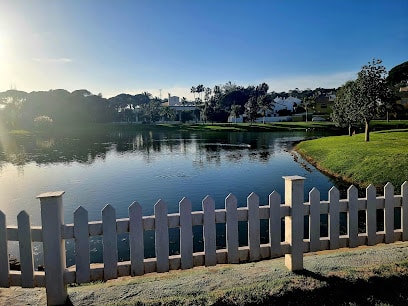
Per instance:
x=111, y=47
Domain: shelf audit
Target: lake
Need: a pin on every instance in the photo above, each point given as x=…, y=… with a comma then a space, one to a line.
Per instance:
x=121, y=167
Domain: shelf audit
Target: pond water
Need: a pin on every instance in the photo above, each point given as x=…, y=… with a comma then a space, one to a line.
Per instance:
x=122, y=167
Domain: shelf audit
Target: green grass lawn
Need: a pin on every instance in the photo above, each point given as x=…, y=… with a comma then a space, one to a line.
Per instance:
x=383, y=159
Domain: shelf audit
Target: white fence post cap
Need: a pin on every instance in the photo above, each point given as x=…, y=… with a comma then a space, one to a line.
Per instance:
x=293, y=178
x=52, y=194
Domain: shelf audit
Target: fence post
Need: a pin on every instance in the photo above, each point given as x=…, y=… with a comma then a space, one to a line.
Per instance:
x=294, y=198
x=52, y=219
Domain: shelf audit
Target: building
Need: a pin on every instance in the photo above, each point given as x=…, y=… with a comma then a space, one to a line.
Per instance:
x=285, y=104
x=173, y=100
x=324, y=103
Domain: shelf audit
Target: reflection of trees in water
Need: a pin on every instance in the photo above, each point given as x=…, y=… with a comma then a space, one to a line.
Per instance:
x=209, y=148
x=20, y=150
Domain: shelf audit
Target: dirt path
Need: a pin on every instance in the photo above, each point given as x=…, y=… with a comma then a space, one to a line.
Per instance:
x=215, y=281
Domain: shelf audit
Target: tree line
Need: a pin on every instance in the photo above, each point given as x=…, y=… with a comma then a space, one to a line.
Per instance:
x=19, y=109
x=372, y=95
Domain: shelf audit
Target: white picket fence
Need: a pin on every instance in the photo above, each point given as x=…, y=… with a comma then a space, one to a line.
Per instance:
x=54, y=232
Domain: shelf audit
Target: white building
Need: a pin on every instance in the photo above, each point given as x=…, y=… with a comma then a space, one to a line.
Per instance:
x=173, y=100
x=285, y=103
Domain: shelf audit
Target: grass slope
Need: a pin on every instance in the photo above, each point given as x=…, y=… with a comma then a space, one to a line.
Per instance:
x=383, y=159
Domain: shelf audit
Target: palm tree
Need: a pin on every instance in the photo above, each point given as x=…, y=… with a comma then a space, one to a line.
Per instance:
x=193, y=90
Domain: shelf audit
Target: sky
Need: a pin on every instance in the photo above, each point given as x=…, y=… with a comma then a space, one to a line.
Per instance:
x=168, y=46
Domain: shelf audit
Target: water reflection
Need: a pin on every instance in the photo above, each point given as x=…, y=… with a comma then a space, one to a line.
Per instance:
x=121, y=167
x=22, y=149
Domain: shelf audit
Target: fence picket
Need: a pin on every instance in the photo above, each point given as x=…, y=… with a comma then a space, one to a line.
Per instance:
x=275, y=224
x=232, y=228
x=404, y=194
x=4, y=261
x=209, y=232
x=26, y=250
x=389, y=212
x=186, y=234
x=371, y=217
x=82, y=257
x=334, y=218
x=254, y=227
x=314, y=220
x=54, y=233
x=136, y=240
x=352, y=220
x=162, y=236
x=110, y=245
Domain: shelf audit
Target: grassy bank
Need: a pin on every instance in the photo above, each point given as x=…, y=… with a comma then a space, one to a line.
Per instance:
x=383, y=159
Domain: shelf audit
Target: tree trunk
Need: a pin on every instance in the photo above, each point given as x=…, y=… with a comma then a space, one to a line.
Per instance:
x=349, y=130
x=367, y=131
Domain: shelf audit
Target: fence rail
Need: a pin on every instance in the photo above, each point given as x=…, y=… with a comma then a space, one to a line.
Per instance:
x=54, y=232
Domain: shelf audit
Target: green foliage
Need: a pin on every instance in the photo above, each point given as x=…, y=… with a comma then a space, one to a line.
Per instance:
x=371, y=92
x=364, y=99
x=345, y=112
x=377, y=162
x=398, y=75
x=251, y=109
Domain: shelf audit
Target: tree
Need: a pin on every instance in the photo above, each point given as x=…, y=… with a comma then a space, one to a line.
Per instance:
x=308, y=102
x=371, y=93
x=398, y=75
x=251, y=109
x=265, y=104
x=200, y=89
x=193, y=90
x=235, y=111
x=167, y=113
x=151, y=110
x=345, y=113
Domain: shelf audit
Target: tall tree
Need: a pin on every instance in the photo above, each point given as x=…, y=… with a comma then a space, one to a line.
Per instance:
x=265, y=104
x=372, y=92
x=251, y=109
x=309, y=102
x=345, y=112
x=235, y=111
x=193, y=90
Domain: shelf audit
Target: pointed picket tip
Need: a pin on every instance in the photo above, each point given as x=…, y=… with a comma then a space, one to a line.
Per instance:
x=135, y=210
x=231, y=202
x=274, y=196
x=404, y=187
x=253, y=196
x=388, y=188
x=352, y=189
x=135, y=205
x=80, y=211
x=160, y=204
x=371, y=190
x=333, y=189
x=230, y=198
x=185, y=203
x=314, y=192
x=108, y=208
x=2, y=214
x=208, y=203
